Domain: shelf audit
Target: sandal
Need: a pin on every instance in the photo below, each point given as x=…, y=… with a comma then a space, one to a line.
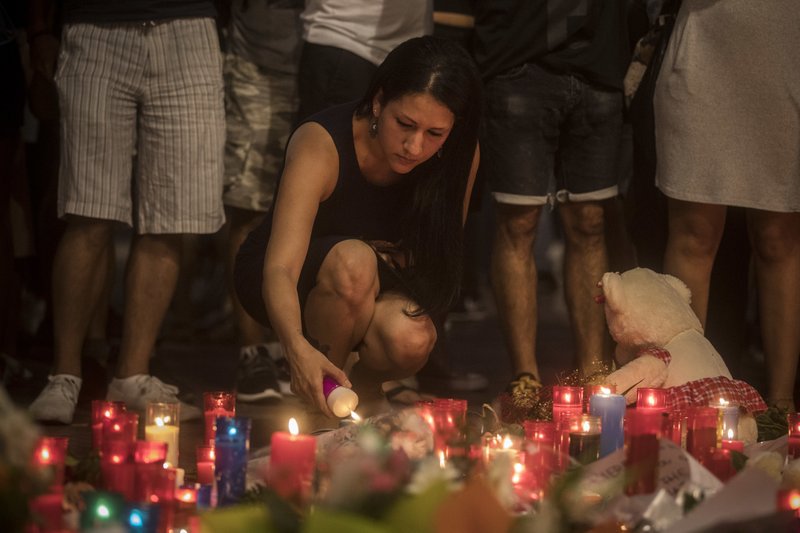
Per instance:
x=403, y=394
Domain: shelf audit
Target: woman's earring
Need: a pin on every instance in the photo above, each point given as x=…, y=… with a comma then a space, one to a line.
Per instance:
x=439, y=153
x=373, y=127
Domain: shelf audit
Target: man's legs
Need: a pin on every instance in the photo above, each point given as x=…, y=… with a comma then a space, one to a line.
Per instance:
x=513, y=276
x=150, y=279
x=585, y=262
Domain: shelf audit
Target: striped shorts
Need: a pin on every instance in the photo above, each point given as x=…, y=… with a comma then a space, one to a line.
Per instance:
x=142, y=124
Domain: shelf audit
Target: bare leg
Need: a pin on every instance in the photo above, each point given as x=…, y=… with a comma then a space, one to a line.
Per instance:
x=585, y=262
x=241, y=223
x=775, y=239
x=513, y=276
x=150, y=281
x=79, y=272
x=340, y=307
x=395, y=345
x=99, y=324
x=695, y=231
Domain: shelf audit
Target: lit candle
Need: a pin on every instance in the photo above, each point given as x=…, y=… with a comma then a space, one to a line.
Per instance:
x=124, y=426
x=651, y=398
x=727, y=419
x=789, y=500
x=103, y=410
x=794, y=435
x=162, y=425
x=217, y=403
x=566, y=399
x=231, y=446
x=341, y=400
x=540, y=431
x=292, y=462
x=49, y=455
x=729, y=443
x=720, y=464
x=591, y=390
x=149, y=457
x=118, y=469
x=448, y=417
x=205, y=465
x=584, y=438
x=641, y=452
x=611, y=410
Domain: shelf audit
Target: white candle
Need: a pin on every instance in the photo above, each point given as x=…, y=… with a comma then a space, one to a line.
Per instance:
x=168, y=434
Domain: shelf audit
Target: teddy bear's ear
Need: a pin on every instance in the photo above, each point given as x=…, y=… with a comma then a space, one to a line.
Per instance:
x=679, y=286
x=613, y=291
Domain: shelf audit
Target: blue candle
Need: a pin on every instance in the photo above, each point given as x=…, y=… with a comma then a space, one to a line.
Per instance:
x=231, y=444
x=611, y=410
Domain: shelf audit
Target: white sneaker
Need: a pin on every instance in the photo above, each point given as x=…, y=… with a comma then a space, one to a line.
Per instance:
x=139, y=390
x=57, y=401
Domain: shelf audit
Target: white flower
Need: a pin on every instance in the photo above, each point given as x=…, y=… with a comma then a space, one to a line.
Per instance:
x=430, y=471
x=771, y=463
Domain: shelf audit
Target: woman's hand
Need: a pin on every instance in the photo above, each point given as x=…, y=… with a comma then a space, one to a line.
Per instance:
x=308, y=367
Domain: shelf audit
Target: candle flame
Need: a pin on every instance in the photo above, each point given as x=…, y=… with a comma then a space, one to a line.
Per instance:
x=211, y=454
x=186, y=496
x=794, y=500
x=723, y=402
x=117, y=427
x=355, y=416
x=586, y=426
x=605, y=390
x=442, y=461
x=116, y=459
x=519, y=468
x=160, y=422
x=568, y=397
x=730, y=433
x=507, y=443
x=294, y=429
x=651, y=400
x=45, y=454
x=107, y=413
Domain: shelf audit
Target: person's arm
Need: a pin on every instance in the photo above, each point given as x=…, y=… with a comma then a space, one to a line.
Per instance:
x=473, y=172
x=309, y=176
x=42, y=40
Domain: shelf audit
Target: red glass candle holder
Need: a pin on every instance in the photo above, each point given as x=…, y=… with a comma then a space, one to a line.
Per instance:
x=566, y=399
x=642, y=428
x=540, y=431
x=651, y=398
x=124, y=426
x=675, y=427
x=217, y=403
x=721, y=465
x=591, y=390
x=794, y=435
x=149, y=457
x=701, y=434
x=449, y=417
x=205, y=465
x=118, y=469
x=541, y=464
x=49, y=455
x=733, y=445
x=292, y=463
x=48, y=510
x=103, y=410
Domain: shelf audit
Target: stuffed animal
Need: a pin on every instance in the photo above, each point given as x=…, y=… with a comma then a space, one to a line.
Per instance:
x=660, y=343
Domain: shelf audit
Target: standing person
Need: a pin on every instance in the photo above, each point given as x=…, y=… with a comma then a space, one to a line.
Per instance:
x=261, y=63
x=139, y=78
x=728, y=134
x=346, y=40
x=553, y=73
x=363, y=245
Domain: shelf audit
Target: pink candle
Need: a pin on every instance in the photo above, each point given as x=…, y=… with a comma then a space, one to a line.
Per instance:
x=205, y=465
x=566, y=399
x=734, y=445
x=103, y=410
x=651, y=398
x=720, y=464
x=643, y=427
x=292, y=462
x=217, y=403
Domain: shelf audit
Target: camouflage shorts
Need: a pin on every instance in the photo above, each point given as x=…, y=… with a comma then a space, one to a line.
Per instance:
x=260, y=109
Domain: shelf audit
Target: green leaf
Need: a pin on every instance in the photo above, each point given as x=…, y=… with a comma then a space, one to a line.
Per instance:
x=416, y=512
x=237, y=519
x=327, y=521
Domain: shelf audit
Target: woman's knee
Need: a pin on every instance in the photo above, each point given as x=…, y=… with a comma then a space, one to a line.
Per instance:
x=409, y=341
x=775, y=239
x=350, y=271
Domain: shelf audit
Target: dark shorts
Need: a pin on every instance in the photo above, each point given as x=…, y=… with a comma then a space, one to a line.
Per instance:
x=248, y=276
x=550, y=137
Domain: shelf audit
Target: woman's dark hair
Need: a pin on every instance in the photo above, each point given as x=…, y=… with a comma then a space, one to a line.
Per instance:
x=433, y=230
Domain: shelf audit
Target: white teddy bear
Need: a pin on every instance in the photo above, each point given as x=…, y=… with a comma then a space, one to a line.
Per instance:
x=660, y=343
